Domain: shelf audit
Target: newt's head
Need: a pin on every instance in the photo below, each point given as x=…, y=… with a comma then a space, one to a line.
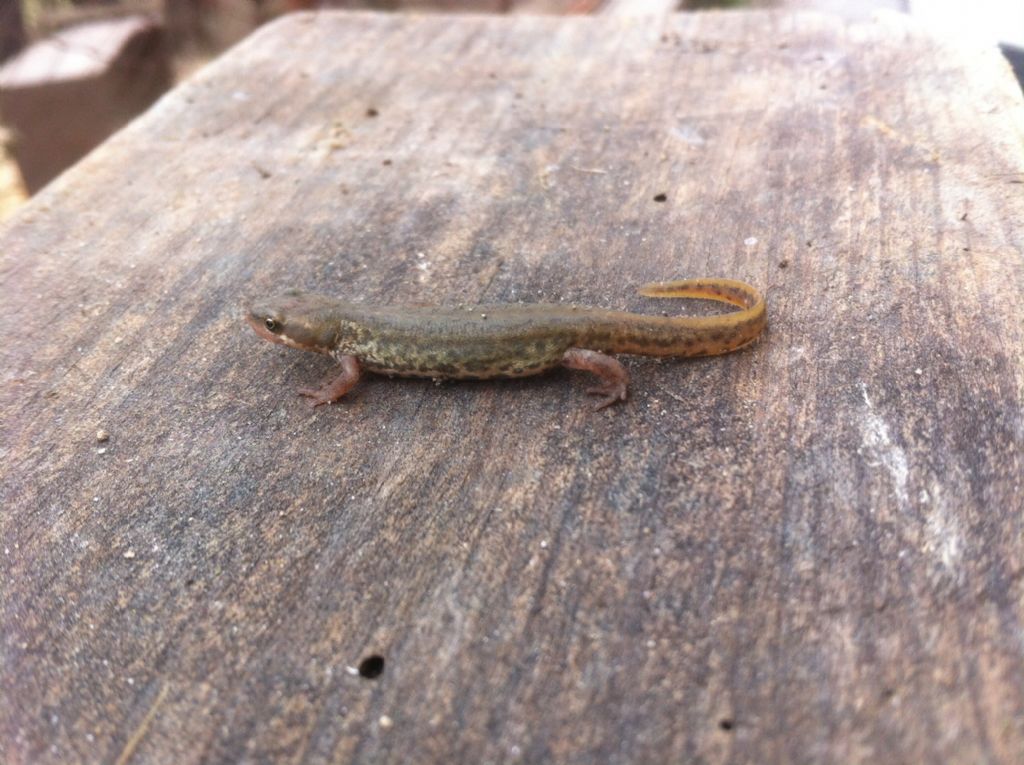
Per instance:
x=297, y=319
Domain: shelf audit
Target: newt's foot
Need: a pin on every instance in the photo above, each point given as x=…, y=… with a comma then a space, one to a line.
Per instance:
x=316, y=396
x=336, y=388
x=613, y=392
x=613, y=376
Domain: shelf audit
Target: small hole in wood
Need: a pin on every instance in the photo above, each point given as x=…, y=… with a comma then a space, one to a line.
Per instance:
x=371, y=667
x=661, y=197
x=726, y=724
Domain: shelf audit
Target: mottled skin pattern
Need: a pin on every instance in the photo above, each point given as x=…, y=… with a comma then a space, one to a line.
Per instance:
x=488, y=341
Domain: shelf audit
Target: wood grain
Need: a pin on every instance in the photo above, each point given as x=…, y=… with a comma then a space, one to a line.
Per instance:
x=808, y=551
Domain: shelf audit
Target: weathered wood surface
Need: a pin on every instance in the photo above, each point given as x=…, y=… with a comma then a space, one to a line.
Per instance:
x=808, y=551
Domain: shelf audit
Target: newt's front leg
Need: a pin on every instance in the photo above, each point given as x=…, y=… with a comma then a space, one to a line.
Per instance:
x=613, y=376
x=337, y=386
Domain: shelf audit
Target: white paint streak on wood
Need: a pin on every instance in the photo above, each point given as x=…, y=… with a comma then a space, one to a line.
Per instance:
x=878, y=444
x=943, y=534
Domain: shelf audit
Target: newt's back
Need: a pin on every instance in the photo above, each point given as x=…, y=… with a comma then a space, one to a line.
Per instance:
x=482, y=341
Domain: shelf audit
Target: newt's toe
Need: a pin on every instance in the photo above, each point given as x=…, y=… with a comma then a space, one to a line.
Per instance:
x=612, y=393
x=316, y=397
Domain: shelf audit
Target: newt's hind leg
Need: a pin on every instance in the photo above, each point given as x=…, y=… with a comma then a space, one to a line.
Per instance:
x=614, y=377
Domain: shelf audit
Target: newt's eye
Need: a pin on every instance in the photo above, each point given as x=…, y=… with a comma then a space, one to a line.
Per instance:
x=270, y=324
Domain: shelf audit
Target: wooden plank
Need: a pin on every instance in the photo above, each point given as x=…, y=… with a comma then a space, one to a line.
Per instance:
x=807, y=551
x=627, y=8
x=852, y=10
x=12, y=29
x=64, y=95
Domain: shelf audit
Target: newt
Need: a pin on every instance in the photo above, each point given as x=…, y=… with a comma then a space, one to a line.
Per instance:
x=507, y=340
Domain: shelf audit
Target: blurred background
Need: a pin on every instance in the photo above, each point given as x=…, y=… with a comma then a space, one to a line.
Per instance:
x=74, y=71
